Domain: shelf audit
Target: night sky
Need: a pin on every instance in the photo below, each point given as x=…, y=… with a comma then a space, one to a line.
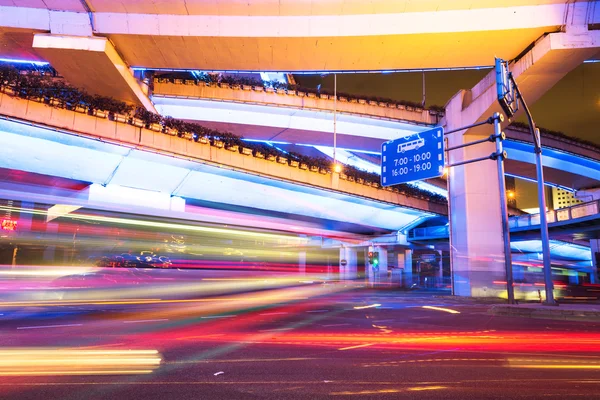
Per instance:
x=572, y=106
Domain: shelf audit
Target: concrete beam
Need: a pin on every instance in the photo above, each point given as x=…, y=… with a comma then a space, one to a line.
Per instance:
x=92, y=63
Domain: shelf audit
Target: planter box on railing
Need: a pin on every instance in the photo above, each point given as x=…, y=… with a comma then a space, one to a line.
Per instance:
x=270, y=90
x=258, y=88
x=235, y=148
x=169, y=131
x=323, y=171
x=190, y=82
x=294, y=163
x=246, y=87
x=236, y=87
x=100, y=113
x=303, y=166
x=343, y=176
x=314, y=168
x=246, y=151
x=203, y=140
x=281, y=91
x=271, y=157
x=218, y=144
x=156, y=127
x=136, y=122
x=282, y=160
x=301, y=94
x=258, y=154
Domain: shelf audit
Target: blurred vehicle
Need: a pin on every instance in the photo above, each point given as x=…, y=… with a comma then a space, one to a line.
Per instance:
x=146, y=259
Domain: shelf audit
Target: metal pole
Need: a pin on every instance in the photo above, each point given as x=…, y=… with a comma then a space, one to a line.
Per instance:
x=464, y=128
x=535, y=133
x=498, y=118
x=544, y=227
x=448, y=170
x=14, y=256
x=423, y=101
x=334, y=118
x=460, y=146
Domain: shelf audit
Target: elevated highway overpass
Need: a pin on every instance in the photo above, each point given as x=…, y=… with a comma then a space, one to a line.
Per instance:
x=94, y=41
x=165, y=169
x=362, y=125
x=93, y=44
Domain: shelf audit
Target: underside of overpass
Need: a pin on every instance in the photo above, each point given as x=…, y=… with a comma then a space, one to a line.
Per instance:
x=94, y=43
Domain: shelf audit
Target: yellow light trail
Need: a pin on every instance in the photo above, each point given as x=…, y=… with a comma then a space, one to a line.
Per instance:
x=357, y=346
x=370, y=306
x=153, y=224
x=59, y=361
x=448, y=310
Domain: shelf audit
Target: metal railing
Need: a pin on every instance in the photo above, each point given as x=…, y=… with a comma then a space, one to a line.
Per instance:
x=564, y=214
x=429, y=232
x=527, y=220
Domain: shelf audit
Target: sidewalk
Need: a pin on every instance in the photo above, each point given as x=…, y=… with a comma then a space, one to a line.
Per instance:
x=567, y=312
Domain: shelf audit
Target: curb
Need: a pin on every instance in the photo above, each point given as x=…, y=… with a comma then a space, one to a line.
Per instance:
x=545, y=313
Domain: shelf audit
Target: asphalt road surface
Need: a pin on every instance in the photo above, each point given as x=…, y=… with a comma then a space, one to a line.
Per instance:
x=313, y=341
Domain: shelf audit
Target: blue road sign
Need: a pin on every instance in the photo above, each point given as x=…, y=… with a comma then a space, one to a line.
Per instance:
x=413, y=158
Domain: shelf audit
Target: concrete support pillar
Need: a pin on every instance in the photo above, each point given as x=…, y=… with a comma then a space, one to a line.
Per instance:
x=595, y=248
x=348, y=260
x=302, y=262
x=476, y=235
x=475, y=219
x=441, y=268
x=405, y=263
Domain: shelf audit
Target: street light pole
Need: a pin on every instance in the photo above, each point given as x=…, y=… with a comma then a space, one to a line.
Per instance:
x=535, y=133
x=334, y=119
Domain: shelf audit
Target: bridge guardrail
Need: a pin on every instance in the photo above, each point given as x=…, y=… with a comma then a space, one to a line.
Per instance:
x=564, y=214
x=429, y=232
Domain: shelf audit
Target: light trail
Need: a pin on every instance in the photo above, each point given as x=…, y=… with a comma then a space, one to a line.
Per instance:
x=370, y=306
x=448, y=310
x=61, y=361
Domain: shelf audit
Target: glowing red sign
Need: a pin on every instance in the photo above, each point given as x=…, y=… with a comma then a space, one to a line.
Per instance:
x=9, y=225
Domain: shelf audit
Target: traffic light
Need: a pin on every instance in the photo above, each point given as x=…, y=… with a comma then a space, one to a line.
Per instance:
x=374, y=258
